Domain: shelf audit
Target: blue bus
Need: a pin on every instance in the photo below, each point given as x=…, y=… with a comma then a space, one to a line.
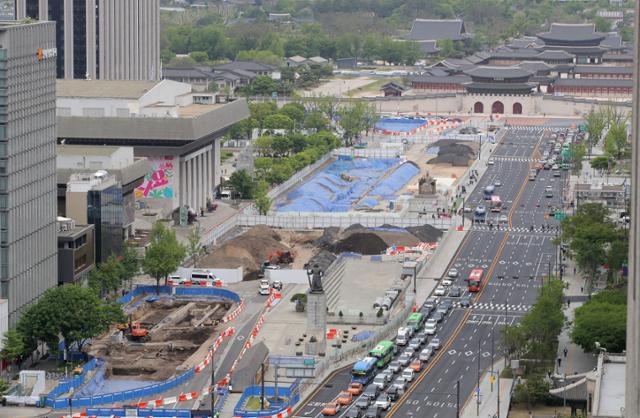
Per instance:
x=364, y=370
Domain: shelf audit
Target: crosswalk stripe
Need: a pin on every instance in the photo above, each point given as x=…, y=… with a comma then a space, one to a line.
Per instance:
x=517, y=229
x=487, y=306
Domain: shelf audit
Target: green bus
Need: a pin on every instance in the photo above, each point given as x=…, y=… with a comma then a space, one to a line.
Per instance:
x=415, y=321
x=383, y=352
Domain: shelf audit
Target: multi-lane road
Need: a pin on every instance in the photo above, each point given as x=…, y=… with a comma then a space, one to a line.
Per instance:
x=515, y=257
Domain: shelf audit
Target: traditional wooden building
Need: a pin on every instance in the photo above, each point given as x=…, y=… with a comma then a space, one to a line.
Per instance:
x=581, y=40
x=393, y=89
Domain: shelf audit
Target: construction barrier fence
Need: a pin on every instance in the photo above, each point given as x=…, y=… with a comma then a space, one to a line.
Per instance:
x=291, y=394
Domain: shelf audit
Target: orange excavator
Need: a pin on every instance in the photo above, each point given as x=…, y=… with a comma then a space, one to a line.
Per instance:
x=281, y=257
x=134, y=330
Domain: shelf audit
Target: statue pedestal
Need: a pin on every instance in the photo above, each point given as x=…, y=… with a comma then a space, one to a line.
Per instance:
x=316, y=323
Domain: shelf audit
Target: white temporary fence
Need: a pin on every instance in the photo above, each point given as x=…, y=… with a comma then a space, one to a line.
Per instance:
x=369, y=152
x=310, y=220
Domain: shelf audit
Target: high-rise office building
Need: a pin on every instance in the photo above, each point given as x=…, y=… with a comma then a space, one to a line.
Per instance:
x=102, y=39
x=632, y=376
x=28, y=230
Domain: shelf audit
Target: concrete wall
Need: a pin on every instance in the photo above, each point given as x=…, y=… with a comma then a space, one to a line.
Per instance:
x=71, y=106
x=4, y=318
x=298, y=276
x=166, y=92
x=121, y=157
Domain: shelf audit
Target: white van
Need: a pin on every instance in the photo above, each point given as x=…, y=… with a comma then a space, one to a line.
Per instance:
x=203, y=277
x=225, y=194
x=404, y=335
x=430, y=327
x=408, y=374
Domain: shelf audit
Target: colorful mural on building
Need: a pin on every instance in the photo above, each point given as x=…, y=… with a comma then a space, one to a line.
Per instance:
x=159, y=183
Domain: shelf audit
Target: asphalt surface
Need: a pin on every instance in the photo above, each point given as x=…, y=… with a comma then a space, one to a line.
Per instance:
x=515, y=258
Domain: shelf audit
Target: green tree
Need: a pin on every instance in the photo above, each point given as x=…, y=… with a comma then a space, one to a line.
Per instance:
x=199, y=56
x=544, y=322
x=602, y=24
x=242, y=183
x=260, y=111
x=194, y=248
x=533, y=391
x=355, y=118
x=72, y=312
x=603, y=318
x=602, y=163
x=596, y=121
x=278, y=121
x=130, y=262
x=316, y=121
x=13, y=346
x=514, y=341
x=616, y=142
x=294, y=111
x=263, y=85
x=107, y=276
x=164, y=254
x=182, y=62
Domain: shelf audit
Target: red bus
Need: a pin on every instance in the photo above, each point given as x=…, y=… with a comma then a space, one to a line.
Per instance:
x=475, y=280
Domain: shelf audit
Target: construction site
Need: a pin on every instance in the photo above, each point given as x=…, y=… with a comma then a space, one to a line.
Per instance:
x=164, y=336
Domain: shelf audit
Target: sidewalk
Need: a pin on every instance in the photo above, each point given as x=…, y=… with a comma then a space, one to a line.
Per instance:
x=489, y=398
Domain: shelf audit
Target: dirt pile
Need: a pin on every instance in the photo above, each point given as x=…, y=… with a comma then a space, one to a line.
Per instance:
x=369, y=241
x=453, y=152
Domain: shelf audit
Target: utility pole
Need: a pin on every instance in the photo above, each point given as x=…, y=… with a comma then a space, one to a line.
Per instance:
x=458, y=399
x=498, y=388
x=492, y=353
x=478, y=390
x=549, y=263
x=463, y=212
x=262, y=387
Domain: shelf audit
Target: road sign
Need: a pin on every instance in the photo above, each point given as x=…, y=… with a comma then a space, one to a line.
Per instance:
x=492, y=379
x=559, y=216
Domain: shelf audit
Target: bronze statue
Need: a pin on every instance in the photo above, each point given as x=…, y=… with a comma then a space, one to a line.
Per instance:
x=314, y=276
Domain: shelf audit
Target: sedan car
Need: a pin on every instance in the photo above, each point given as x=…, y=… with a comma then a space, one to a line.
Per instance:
x=404, y=359
x=344, y=398
x=383, y=402
x=453, y=273
x=422, y=337
x=372, y=412
x=363, y=402
x=355, y=388
x=416, y=365
x=331, y=409
x=371, y=391
x=431, y=303
x=409, y=351
x=415, y=343
x=503, y=219
x=455, y=292
x=465, y=302
x=400, y=384
x=440, y=291
x=435, y=343
x=497, y=183
x=437, y=316
x=446, y=282
x=426, y=354
x=354, y=413
x=490, y=162
x=389, y=372
x=395, y=366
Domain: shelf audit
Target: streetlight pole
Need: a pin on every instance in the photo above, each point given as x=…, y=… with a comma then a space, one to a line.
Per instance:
x=213, y=383
x=458, y=399
x=492, y=353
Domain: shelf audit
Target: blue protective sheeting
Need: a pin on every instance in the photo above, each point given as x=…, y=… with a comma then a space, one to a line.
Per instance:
x=391, y=185
x=327, y=191
x=362, y=335
x=400, y=124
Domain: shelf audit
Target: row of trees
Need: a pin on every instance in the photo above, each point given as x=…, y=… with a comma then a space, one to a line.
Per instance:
x=76, y=313
x=603, y=318
x=291, y=78
x=536, y=336
x=594, y=240
x=613, y=124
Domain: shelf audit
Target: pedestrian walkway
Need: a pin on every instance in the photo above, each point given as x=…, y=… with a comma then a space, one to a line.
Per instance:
x=488, y=407
x=571, y=358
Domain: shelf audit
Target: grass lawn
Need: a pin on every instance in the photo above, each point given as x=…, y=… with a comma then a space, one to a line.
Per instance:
x=373, y=87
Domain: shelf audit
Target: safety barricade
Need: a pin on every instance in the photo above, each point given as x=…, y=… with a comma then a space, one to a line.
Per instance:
x=234, y=313
x=204, y=363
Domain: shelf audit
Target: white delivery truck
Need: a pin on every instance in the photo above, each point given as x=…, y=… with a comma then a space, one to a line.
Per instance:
x=404, y=335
